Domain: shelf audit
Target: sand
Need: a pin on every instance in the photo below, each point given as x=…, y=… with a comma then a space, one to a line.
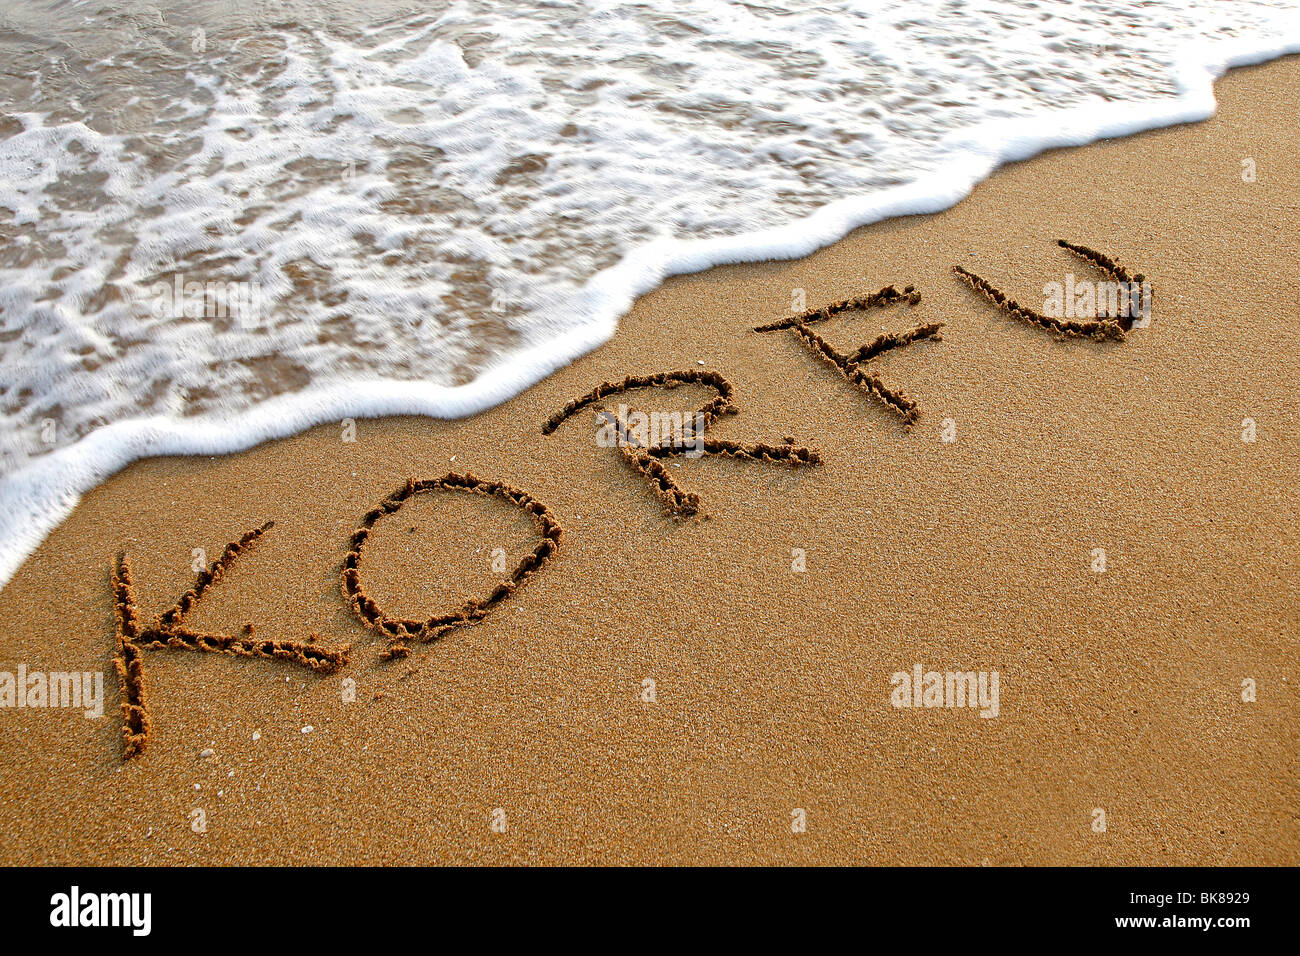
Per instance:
x=672, y=689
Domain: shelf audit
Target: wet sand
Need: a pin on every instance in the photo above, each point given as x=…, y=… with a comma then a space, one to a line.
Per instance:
x=527, y=736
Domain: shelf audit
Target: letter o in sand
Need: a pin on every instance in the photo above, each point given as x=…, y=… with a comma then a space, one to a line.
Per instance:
x=400, y=632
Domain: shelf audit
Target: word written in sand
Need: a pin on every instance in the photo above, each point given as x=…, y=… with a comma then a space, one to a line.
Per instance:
x=642, y=451
x=170, y=632
x=401, y=632
x=851, y=366
x=1113, y=327
x=646, y=458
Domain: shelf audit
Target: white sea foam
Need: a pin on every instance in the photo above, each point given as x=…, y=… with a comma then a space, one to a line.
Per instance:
x=438, y=211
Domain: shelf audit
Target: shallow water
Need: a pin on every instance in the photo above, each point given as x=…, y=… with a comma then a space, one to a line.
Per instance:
x=205, y=207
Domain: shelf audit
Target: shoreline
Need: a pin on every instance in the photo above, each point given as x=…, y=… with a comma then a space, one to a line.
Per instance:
x=45, y=492
x=771, y=628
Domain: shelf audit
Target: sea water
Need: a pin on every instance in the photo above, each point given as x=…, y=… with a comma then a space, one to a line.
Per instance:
x=226, y=222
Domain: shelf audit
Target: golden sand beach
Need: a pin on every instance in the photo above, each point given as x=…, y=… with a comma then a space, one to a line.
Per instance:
x=1108, y=524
